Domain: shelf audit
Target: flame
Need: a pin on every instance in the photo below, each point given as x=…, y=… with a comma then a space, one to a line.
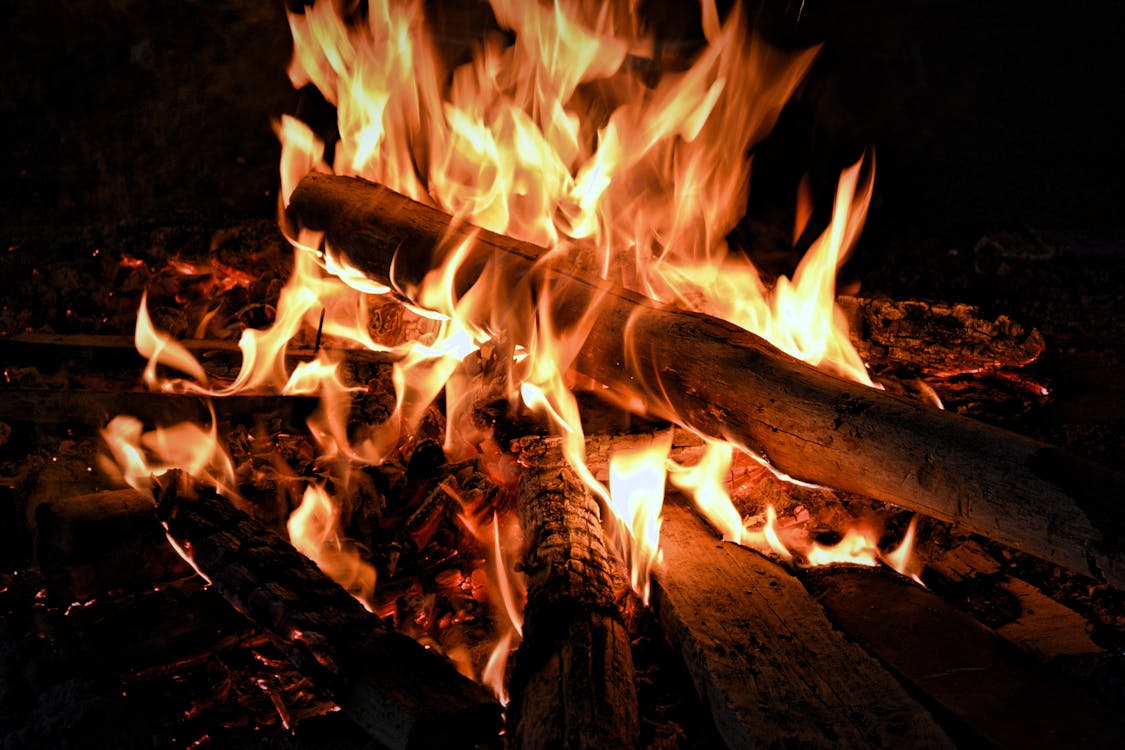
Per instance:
x=636, y=486
x=314, y=529
x=902, y=558
x=706, y=483
x=141, y=455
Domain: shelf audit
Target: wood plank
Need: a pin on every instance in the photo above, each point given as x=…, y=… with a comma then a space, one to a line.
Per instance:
x=1000, y=696
x=764, y=656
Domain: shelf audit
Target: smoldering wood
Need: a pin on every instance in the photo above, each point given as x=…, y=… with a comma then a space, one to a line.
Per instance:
x=937, y=339
x=1000, y=696
x=572, y=680
x=97, y=544
x=94, y=408
x=725, y=382
x=765, y=659
x=108, y=350
x=401, y=693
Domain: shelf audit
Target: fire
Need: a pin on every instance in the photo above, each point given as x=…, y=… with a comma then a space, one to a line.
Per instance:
x=314, y=531
x=636, y=485
x=558, y=134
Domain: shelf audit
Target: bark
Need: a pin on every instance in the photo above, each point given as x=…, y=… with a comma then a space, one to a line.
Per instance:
x=764, y=658
x=401, y=693
x=572, y=677
x=724, y=382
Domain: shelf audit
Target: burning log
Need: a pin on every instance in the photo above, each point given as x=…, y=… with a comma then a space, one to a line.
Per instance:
x=725, y=382
x=762, y=654
x=398, y=691
x=572, y=678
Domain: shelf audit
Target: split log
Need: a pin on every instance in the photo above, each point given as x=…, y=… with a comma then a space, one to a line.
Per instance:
x=999, y=695
x=401, y=693
x=722, y=381
x=765, y=659
x=572, y=676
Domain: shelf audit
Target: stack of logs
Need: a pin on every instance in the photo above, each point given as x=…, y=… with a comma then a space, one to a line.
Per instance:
x=763, y=655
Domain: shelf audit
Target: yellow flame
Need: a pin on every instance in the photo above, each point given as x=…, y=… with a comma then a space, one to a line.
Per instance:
x=706, y=482
x=314, y=529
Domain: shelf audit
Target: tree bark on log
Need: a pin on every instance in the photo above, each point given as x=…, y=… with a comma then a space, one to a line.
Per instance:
x=572, y=676
x=402, y=694
x=765, y=659
x=725, y=382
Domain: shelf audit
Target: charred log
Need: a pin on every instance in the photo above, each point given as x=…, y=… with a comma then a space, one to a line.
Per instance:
x=572, y=677
x=725, y=382
x=401, y=693
x=763, y=656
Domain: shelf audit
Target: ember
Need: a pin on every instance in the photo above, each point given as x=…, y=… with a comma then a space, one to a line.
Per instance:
x=521, y=431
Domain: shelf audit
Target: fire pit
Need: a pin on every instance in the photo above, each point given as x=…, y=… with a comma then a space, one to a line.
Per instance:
x=517, y=429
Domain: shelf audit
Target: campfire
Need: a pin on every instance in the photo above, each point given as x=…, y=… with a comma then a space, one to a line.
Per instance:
x=499, y=437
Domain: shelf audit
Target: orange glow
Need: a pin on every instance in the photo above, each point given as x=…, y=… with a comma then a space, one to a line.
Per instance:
x=902, y=558
x=314, y=529
x=706, y=482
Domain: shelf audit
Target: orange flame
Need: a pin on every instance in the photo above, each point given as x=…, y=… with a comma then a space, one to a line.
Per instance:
x=314, y=529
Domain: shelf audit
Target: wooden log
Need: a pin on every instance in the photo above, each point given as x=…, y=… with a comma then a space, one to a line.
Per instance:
x=765, y=659
x=103, y=543
x=722, y=381
x=401, y=693
x=998, y=695
x=117, y=351
x=572, y=676
x=94, y=408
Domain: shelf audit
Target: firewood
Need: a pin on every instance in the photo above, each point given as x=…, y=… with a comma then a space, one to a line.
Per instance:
x=999, y=695
x=94, y=408
x=765, y=659
x=572, y=677
x=725, y=382
x=56, y=349
x=107, y=542
x=401, y=693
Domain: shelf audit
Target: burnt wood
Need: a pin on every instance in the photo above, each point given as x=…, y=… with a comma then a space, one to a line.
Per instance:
x=765, y=659
x=725, y=382
x=572, y=680
x=402, y=694
x=997, y=695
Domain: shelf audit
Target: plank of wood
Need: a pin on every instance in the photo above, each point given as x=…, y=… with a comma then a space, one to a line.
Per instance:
x=1000, y=696
x=94, y=408
x=401, y=693
x=572, y=678
x=725, y=382
x=764, y=656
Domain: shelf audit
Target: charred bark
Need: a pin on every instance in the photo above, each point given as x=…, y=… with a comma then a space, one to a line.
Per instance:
x=725, y=382
x=572, y=677
x=401, y=693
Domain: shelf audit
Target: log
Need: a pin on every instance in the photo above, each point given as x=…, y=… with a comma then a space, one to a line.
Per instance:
x=765, y=659
x=102, y=543
x=94, y=408
x=999, y=696
x=572, y=676
x=724, y=382
x=402, y=694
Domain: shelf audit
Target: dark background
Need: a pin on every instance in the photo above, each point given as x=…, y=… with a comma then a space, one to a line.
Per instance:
x=998, y=143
